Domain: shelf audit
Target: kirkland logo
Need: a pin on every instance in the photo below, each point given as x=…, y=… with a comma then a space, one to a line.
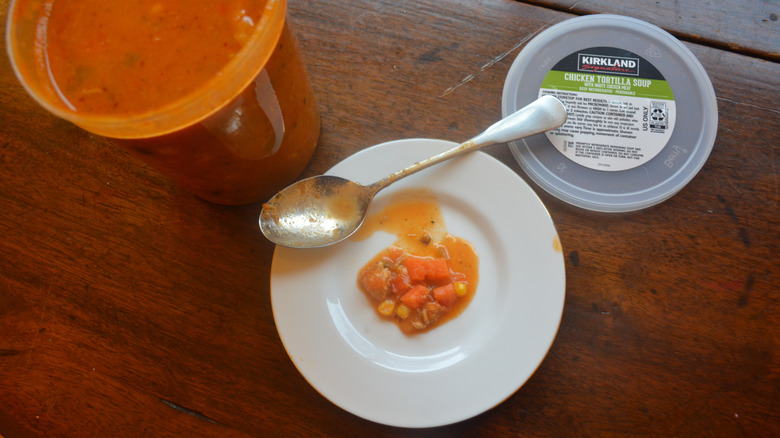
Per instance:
x=608, y=64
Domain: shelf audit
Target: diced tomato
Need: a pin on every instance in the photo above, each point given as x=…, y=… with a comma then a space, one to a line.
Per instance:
x=399, y=282
x=445, y=295
x=416, y=296
x=427, y=269
x=438, y=272
x=416, y=267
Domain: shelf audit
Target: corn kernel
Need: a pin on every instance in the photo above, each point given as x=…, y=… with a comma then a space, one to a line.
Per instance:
x=403, y=311
x=386, y=307
x=461, y=289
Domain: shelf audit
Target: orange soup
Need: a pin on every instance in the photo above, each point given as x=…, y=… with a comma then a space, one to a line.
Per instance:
x=131, y=56
x=427, y=276
x=212, y=93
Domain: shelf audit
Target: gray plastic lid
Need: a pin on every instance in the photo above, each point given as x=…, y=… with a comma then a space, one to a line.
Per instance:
x=642, y=112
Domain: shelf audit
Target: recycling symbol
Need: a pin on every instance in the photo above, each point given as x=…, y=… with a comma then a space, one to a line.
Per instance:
x=658, y=115
x=653, y=52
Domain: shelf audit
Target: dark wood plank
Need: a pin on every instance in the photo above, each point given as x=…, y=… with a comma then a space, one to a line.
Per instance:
x=749, y=27
x=128, y=307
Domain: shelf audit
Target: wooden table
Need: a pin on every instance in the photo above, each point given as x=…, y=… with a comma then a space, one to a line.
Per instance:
x=129, y=307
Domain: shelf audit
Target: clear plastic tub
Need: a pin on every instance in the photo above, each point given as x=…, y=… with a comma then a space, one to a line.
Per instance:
x=642, y=112
x=236, y=137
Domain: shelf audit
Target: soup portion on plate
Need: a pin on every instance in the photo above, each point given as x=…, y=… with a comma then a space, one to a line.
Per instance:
x=427, y=276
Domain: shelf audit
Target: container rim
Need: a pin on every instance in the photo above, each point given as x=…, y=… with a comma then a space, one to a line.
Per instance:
x=188, y=110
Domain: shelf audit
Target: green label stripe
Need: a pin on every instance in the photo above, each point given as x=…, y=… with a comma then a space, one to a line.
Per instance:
x=608, y=84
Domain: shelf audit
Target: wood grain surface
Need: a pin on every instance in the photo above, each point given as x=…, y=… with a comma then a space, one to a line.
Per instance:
x=746, y=26
x=129, y=307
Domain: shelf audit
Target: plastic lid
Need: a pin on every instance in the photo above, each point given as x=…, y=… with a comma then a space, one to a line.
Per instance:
x=642, y=112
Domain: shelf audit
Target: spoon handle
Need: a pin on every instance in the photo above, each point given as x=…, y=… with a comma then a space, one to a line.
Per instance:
x=541, y=115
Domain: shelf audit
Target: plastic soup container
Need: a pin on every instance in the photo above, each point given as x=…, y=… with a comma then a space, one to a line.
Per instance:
x=642, y=112
x=212, y=93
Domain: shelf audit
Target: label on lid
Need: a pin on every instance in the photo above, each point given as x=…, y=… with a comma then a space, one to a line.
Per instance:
x=621, y=110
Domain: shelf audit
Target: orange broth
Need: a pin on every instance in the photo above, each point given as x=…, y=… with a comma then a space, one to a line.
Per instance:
x=134, y=58
x=416, y=219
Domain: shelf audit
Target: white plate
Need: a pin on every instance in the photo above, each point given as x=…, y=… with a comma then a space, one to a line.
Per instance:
x=462, y=368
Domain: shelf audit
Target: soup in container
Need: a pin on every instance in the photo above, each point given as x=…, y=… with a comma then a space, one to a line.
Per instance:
x=212, y=93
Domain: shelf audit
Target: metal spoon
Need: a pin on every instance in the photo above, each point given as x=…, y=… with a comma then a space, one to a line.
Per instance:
x=324, y=210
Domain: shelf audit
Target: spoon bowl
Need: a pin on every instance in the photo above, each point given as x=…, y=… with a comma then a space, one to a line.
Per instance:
x=323, y=210
x=315, y=212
